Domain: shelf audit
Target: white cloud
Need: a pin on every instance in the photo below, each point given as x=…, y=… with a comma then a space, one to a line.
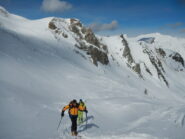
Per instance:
x=104, y=27
x=55, y=6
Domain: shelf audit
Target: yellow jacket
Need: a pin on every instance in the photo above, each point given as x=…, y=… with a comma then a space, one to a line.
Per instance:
x=73, y=108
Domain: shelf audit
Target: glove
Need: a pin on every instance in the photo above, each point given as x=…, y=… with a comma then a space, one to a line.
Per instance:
x=62, y=114
x=86, y=111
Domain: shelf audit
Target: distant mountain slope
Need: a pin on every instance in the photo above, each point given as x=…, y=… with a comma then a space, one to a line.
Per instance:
x=133, y=87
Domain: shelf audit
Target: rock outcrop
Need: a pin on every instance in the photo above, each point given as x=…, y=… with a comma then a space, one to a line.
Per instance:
x=173, y=59
x=178, y=58
x=86, y=40
x=127, y=54
x=156, y=63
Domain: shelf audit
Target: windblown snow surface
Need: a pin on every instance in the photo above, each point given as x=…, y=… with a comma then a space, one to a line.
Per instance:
x=39, y=74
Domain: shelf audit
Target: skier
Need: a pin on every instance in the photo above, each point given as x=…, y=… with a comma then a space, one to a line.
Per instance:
x=73, y=114
x=80, y=113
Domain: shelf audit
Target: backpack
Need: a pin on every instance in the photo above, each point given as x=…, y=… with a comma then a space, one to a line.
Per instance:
x=82, y=104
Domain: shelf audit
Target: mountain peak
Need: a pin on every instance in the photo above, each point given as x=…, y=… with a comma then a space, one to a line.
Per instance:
x=84, y=38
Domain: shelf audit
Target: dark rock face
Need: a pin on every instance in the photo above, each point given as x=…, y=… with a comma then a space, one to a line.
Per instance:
x=157, y=64
x=75, y=26
x=98, y=55
x=125, y=43
x=96, y=50
x=91, y=38
x=127, y=54
x=174, y=56
x=75, y=22
x=177, y=57
x=83, y=30
x=137, y=69
x=104, y=47
x=85, y=39
x=147, y=69
x=82, y=46
x=64, y=35
x=51, y=25
x=57, y=32
x=76, y=30
x=161, y=52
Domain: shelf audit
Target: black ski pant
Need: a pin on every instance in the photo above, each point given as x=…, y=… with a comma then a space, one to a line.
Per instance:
x=74, y=122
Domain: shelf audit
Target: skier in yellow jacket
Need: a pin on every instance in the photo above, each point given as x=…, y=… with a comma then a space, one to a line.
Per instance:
x=80, y=112
x=73, y=114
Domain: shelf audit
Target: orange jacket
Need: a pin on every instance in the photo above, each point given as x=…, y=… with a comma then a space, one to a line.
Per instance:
x=73, y=110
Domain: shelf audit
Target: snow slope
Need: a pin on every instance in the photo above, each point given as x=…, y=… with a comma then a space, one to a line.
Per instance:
x=41, y=71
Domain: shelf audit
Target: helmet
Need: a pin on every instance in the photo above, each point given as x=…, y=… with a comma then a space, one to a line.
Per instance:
x=74, y=101
x=81, y=100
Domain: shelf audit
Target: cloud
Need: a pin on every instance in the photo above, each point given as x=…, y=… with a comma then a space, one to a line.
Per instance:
x=175, y=25
x=55, y=6
x=104, y=27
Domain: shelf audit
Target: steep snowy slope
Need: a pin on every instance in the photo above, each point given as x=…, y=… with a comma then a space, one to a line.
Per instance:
x=133, y=87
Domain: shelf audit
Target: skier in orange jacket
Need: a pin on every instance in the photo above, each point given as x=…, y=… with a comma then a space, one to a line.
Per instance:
x=73, y=114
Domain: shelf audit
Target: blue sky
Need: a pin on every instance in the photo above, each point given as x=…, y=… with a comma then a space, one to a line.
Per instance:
x=130, y=17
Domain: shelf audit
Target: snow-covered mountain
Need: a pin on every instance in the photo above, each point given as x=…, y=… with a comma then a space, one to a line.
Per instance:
x=133, y=87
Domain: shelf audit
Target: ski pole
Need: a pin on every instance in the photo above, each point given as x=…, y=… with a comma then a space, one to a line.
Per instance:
x=86, y=121
x=59, y=123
